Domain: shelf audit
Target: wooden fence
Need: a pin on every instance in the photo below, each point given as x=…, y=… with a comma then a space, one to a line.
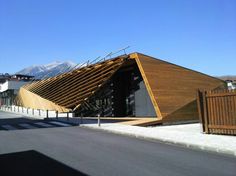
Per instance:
x=217, y=111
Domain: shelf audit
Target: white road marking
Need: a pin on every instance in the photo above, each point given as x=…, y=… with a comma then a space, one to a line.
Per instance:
x=9, y=127
x=26, y=125
x=60, y=124
x=44, y=124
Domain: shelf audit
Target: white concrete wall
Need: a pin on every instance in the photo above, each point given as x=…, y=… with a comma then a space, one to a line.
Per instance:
x=4, y=86
x=14, y=85
x=143, y=104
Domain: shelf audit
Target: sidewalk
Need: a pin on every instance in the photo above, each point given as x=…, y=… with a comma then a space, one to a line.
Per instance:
x=188, y=135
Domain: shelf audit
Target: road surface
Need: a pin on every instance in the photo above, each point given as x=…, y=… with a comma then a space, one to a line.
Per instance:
x=97, y=153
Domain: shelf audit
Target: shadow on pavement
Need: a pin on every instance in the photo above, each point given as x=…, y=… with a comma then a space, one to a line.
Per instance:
x=33, y=163
x=87, y=120
x=17, y=120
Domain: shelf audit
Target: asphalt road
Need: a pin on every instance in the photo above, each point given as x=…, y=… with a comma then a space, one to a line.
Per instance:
x=98, y=153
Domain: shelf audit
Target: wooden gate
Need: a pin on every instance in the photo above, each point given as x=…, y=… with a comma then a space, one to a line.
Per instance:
x=217, y=111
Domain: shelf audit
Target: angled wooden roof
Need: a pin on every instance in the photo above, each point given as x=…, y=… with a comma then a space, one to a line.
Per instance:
x=70, y=90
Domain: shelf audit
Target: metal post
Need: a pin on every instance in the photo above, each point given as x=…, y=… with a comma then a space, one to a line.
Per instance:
x=39, y=112
x=67, y=116
x=81, y=118
x=18, y=108
x=22, y=110
x=27, y=110
x=32, y=111
x=56, y=114
x=46, y=113
x=99, y=123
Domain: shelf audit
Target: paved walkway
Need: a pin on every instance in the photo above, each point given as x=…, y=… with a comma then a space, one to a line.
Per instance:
x=188, y=135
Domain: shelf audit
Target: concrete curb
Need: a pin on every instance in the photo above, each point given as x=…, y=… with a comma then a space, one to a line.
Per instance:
x=166, y=141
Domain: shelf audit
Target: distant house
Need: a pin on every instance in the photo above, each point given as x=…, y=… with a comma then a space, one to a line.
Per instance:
x=231, y=84
x=10, y=85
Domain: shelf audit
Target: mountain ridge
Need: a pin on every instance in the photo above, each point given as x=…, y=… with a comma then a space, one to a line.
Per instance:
x=47, y=70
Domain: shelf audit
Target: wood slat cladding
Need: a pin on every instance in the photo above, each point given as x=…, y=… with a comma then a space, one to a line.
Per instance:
x=174, y=87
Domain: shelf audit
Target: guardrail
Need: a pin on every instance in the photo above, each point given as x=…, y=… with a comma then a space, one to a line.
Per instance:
x=217, y=111
x=36, y=113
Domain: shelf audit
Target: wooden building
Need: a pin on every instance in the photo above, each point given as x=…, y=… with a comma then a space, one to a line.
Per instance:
x=136, y=85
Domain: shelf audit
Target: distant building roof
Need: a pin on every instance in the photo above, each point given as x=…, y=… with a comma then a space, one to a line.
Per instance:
x=21, y=75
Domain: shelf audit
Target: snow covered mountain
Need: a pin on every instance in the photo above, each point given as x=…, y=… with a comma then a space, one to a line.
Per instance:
x=47, y=70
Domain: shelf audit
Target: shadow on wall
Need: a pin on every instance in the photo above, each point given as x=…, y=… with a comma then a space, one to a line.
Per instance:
x=187, y=112
x=28, y=163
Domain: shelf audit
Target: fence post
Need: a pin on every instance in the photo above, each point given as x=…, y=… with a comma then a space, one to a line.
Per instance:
x=99, y=123
x=200, y=109
x=205, y=108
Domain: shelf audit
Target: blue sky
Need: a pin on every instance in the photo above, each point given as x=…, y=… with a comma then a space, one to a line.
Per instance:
x=198, y=34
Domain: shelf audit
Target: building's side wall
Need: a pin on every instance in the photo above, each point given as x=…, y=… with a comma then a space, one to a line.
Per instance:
x=4, y=86
x=16, y=84
x=13, y=85
x=174, y=87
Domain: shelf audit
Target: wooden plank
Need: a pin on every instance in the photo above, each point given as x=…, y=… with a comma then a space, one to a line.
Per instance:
x=223, y=127
x=224, y=94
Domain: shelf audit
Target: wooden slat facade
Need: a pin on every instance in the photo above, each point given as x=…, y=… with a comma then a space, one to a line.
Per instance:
x=174, y=87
